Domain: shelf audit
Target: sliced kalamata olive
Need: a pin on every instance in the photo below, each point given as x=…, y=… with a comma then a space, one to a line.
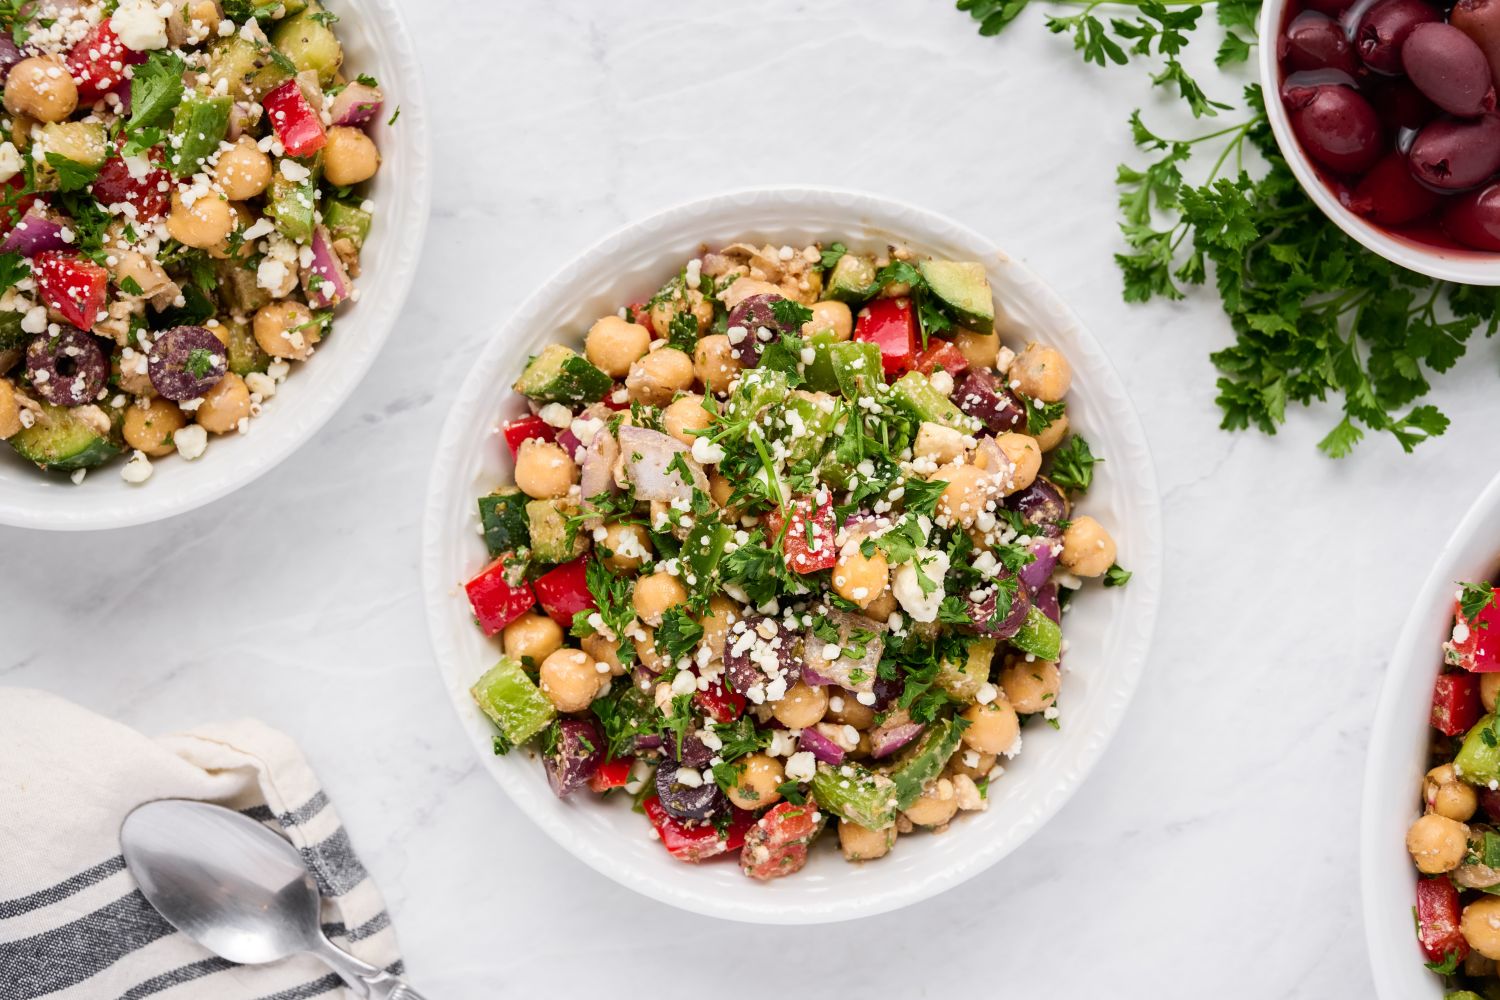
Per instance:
x=10, y=54
x=760, y=651
x=887, y=691
x=1042, y=503
x=1474, y=219
x=1384, y=29
x=1454, y=154
x=1450, y=68
x=756, y=316
x=67, y=368
x=1337, y=127
x=1046, y=602
x=576, y=755
x=1480, y=20
x=186, y=361
x=693, y=752
x=687, y=801
x=984, y=396
x=1316, y=41
x=1390, y=196
x=984, y=613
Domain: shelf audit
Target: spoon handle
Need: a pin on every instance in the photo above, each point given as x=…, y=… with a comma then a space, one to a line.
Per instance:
x=367, y=981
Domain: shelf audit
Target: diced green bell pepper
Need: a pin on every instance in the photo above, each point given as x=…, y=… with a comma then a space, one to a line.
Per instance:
x=512, y=701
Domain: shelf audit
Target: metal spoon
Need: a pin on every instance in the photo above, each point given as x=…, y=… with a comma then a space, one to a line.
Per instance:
x=238, y=889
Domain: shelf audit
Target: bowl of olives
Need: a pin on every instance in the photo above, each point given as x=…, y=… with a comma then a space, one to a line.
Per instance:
x=1386, y=113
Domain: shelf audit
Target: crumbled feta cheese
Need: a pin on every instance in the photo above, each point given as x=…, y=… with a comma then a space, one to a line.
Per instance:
x=140, y=24
x=191, y=441
x=137, y=470
x=801, y=766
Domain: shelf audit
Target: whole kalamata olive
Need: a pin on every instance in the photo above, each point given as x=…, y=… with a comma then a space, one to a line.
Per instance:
x=1480, y=20
x=746, y=646
x=1453, y=154
x=186, y=361
x=67, y=368
x=1390, y=196
x=1474, y=219
x=687, y=801
x=984, y=396
x=1401, y=106
x=1383, y=30
x=756, y=316
x=1337, y=127
x=1447, y=66
x=1316, y=41
x=1041, y=504
x=576, y=754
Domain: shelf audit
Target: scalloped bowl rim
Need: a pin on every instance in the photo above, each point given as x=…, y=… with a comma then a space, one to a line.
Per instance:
x=598, y=834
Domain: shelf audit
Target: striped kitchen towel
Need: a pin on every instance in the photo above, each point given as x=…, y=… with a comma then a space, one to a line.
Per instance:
x=73, y=925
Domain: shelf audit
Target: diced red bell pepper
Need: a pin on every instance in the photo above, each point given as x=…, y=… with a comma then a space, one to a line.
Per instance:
x=564, y=591
x=777, y=844
x=641, y=313
x=610, y=774
x=73, y=286
x=1475, y=645
x=941, y=354
x=97, y=64
x=497, y=601
x=802, y=555
x=1438, y=919
x=1456, y=704
x=700, y=841
x=149, y=194
x=526, y=428
x=719, y=703
x=297, y=123
x=891, y=325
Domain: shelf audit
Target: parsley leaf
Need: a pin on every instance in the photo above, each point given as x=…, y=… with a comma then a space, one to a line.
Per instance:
x=1040, y=415
x=790, y=314
x=1073, y=465
x=1473, y=599
x=833, y=255
x=155, y=89
x=678, y=634
x=1116, y=576
x=13, y=267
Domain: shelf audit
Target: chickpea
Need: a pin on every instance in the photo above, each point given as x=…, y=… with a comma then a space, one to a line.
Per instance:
x=243, y=171
x=1447, y=796
x=972, y=764
x=544, y=471
x=42, y=88
x=666, y=308
x=224, y=406
x=349, y=157
x=149, y=428
x=1480, y=925
x=720, y=489
x=834, y=317
x=532, y=638
x=722, y=613
x=882, y=607
x=1437, y=844
x=1052, y=436
x=1087, y=548
x=192, y=22
x=660, y=375
x=844, y=708
x=1025, y=459
x=756, y=781
x=935, y=806
x=860, y=843
x=10, y=411
x=1042, y=373
x=614, y=344
x=939, y=443
x=571, y=679
x=286, y=330
x=603, y=651
x=204, y=224
x=861, y=578
x=656, y=593
x=1030, y=687
x=684, y=414
x=1489, y=690
x=646, y=651
x=993, y=728
x=981, y=350
x=629, y=546
x=715, y=364
x=969, y=492
x=801, y=706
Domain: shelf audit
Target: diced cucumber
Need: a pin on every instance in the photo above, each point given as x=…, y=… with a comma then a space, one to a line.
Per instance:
x=915, y=392
x=347, y=221
x=292, y=204
x=512, y=701
x=1040, y=636
x=245, y=67
x=62, y=440
x=852, y=279
x=12, y=337
x=857, y=794
x=704, y=546
x=964, y=288
x=310, y=44
x=82, y=144
x=244, y=353
x=201, y=123
x=551, y=541
x=560, y=375
x=924, y=760
x=819, y=375
x=241, y=11
x=239, y=289
x=814, y=426
x=756, y=390
x=855, y=365
x=503, y=516
x=963, y=678
x=1478, y=762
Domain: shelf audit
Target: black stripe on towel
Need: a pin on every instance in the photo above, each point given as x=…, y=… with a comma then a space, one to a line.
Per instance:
x=67, y=955
x=296, y=817
x=46, y=897
x=334, y=865
x=374, y=925
x=176, y=977
x=315, y=988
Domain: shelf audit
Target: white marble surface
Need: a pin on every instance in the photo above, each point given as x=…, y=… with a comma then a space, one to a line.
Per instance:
x=1214, y=848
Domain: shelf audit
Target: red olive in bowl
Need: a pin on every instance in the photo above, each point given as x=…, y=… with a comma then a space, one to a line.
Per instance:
x=1474, y=219
x=1314, y=41
x=1338, y=127
x=1390, y=196
x=1383, y=30
x=1449, y=67
x=1454, y=154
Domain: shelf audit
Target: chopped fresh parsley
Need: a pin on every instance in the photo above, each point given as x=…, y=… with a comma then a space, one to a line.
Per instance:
x=1073, y=465
x=1116, y=576
x=1473, y=598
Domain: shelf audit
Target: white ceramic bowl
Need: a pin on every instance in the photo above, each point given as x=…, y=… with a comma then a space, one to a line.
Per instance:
x=1108, y=630
x=377, y=42
x=1398, y=754
x=1468, y=267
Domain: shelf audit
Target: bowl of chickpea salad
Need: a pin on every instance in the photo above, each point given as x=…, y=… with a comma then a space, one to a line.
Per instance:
x=1431, y=825
x=211, y=211
x=768, y=533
